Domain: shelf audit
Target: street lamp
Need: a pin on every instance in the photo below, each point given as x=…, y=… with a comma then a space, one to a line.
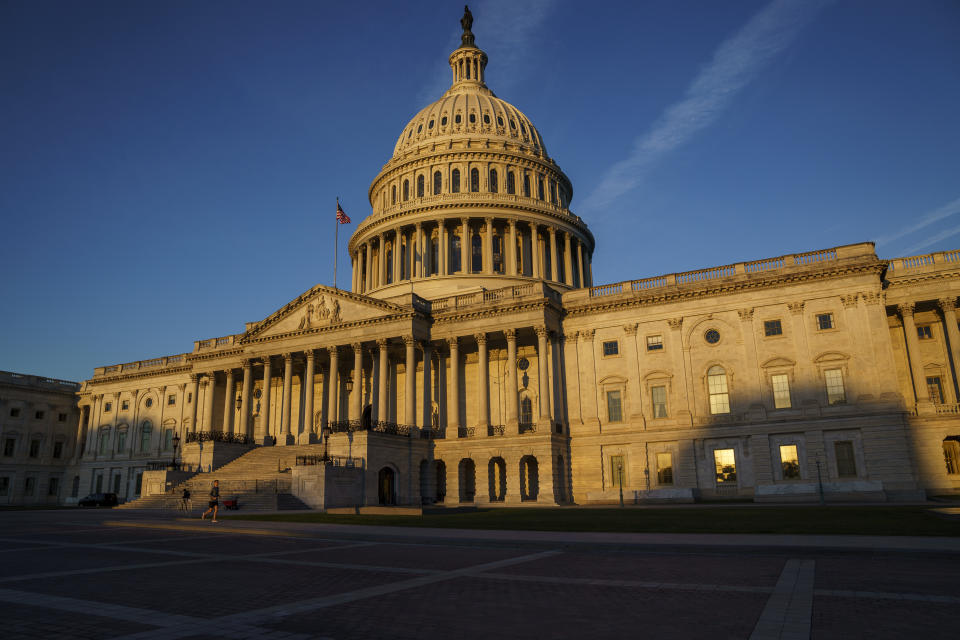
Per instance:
x=176, y=443
x=239, y=402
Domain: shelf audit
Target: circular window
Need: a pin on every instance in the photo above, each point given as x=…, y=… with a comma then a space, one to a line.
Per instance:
x=486, y=119
x=712, y=336
x=523, y=364
x=149, y=402
x=443, y=121
x=430, y=126
x=257, y=394
x=457, y=118
x=499, y=121
x=473, y=118
x=419, y=128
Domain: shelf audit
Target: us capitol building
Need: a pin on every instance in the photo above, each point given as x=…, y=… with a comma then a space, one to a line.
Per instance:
x=475, y=360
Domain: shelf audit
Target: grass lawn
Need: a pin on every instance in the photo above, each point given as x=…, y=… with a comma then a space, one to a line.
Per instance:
x=860, y=520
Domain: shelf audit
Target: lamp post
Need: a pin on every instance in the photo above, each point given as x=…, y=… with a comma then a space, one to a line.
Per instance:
x=620, y=476
x=176, y=443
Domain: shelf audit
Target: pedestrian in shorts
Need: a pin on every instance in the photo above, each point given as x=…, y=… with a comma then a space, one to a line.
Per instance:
x=214, y=501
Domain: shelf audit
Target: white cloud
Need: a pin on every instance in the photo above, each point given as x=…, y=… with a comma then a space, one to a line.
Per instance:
x=735, y=63
x=936, y=215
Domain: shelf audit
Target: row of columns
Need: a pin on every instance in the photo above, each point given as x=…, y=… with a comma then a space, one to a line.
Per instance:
x=370, y=268
x=948, y=306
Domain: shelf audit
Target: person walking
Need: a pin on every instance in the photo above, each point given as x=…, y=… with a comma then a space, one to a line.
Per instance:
x=214, y=501
x=185, y=500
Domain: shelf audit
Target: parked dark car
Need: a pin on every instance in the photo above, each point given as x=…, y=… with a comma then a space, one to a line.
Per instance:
x=99, y=500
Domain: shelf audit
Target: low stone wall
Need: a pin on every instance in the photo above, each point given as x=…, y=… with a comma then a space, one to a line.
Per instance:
x=324, y=487
x=159, y=482
x=205, y=456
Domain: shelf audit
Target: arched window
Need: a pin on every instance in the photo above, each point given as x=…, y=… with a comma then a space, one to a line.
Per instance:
x=389, y=265
x=406, y=190
x=717, y=388
x=526, y=410
x=474, y=180
x=511, y=183
x=420, y=186
x=393, y=194
x=477, y=243
x=146, y=432
x=468, y=69
x=453, y=264
x=437, y=181
x=434, y=255
x=553, y=191
x=540, y=187
x=105, y=441
x=493, y=180
x=455, y=181
x=526, y=186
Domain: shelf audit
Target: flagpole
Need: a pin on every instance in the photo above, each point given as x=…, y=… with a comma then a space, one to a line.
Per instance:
x=336, y=243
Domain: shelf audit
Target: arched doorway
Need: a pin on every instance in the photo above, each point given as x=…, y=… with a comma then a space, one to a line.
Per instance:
x=529, y=478
x=440, y=473
x=387, y=486
x=365, y=418
x=468, y=480
x=497, y=473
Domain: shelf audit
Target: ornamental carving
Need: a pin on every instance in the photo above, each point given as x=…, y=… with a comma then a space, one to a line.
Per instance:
x=481, y=338
x=511, y=334
x=319, y=314
x=795, y=307
x=586, y=334
x=746, y=314
x=675, y=323
x=906, y=309
x=849, y=300
x=630, y=329
x=571, y=337
x=948, y=304
x=872, y=297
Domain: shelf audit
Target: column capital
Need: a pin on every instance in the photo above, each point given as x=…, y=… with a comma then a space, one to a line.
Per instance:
x=571, y=337
x=512, y=222
x=228, y=372
x=453, y=343
x=265, y=360
x=906, y=309
x=288, y=357
x=511, y=334
x=311, y=354
x=481, y=338
x=246, y=363
x=849, y=301
x=333, y=350
x=542, y=332
x=630, y=329
x=745, y=314
x=194, y=378
x=356, y=346
x=383, y=343
x=795, y=307
x=409, y=340
x=948, y=304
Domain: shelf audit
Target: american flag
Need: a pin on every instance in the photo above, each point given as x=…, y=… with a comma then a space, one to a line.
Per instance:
x=342, y=218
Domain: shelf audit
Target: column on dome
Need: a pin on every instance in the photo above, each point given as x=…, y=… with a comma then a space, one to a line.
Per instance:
x=416, y=256
x=333, y=387
x=535, y=269
x=444, y=241
x=228, y=407
x=397, y=233
x=483, y=394
x=265, y=401
x=580, y=253
x=453, y=388
x=382, y=261
x=383, y=363
x=353, y=272
x=913, y=352
x=208, y=401
x=543, y=376
x=195, y=400
x=567, y=260
x=488, y=247
x=553, y=254
x=427, y=412
x=511, y=255
x=466, y=242
x=307, y=436
x=410, y=377
x=369, y=248
x=245, y=398
x=283, y=437
x=512, y=423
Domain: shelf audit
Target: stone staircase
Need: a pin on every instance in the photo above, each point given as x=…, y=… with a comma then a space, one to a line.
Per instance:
x=259, y=479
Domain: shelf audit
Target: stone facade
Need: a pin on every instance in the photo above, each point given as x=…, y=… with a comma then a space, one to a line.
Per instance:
x=473, y=360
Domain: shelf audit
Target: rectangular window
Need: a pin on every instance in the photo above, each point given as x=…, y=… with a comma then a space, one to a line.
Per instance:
x=719, y=395
x=781, y=391
x=57, y=449
x=54, y=487
x=846, y=461
x=659, y=396
x=107, y=407
x=29, y=486
x=15, y=412
x=171, y=399
x=121, y=441
x=951, y=456
x=4, y=485
x=38, y=415
x=924, y=332
x=61, y=417
x=614, y=413
x=618, y=471
x=790, y=462
x=125, y=405
x=665, y=468
x=116, y=483
x=9, y=445
x=34, y=448
x=772, y=328
x=824, y=321
x=654, y=343
x=835, y=392
x=168, y=439
x=725, y=461
x=104, y=442
x=611, y=348
x=935, y=389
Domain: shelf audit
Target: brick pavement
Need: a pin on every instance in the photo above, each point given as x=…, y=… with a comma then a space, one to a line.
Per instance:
x=65, y=574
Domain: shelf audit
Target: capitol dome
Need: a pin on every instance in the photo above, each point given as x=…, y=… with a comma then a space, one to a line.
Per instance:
x=469, y=200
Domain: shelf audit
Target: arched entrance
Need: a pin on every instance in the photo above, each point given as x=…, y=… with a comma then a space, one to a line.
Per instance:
x=365, y=418
x=387, y=486
x=468, y=480
x=440, y=473
x=497, y=473
x=529, y=478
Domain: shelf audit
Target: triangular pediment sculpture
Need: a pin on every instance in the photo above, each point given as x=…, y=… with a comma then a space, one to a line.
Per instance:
x=322, y=308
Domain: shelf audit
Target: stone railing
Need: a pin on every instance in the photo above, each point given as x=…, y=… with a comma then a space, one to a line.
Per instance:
x=927, y=262
x=139, y=365
x=767, y=265
x=218, y=436
x=216, y=343
x=475, y=196
x=947, y=409
x=37, y=381
x=533, y=289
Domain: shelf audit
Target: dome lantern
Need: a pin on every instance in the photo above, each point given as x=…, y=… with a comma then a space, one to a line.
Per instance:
x=468, y=62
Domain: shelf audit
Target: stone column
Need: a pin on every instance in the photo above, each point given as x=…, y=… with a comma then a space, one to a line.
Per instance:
x=543, y=377
x=427, y=412
x=265, y=401
x=453, y=387
x=567, y=260
x=442, y=253
x=913, y=352
x=382, y=382
x=634, y=404
x=245, y=398
x=511, y=255
x=465, y=245
x=580, y=253
x=410, y=377
x=333, y=407
x=208, y=401
x=195, y=395
x=512, y=420
x=949, y=308
x=353, y=271
x=356, y=397
x=483, y=394
x=553, y=253
x=308, y=436
x=416, y=267
x=488, y=247
x=396, y=255
x=382, y=261
x=284, y=436
x=535, y=267
x=228, y=403
x=369, y=245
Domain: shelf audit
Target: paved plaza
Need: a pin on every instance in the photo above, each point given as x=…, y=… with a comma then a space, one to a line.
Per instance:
x=110, y=574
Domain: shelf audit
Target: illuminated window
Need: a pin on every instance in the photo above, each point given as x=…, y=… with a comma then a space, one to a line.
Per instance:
x=659, y=396
x=665, y=468
x=772, y=328
x=835, y=392
x=781, y=391
x=789, y=461
x=717, y=388
x=725, y=461
x=611, y=348
x=846, y=461
x=951, y=455
x=614, y=409
x=654, y=343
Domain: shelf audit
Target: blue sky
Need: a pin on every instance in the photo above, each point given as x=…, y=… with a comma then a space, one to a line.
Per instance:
x=169, y=168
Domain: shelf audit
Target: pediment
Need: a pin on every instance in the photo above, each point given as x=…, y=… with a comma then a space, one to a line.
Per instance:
x=322, y=308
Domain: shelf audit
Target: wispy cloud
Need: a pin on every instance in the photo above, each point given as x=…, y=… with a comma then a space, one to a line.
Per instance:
x=937, y=237
x=504, y=29
x=936, y=215
x=735, y=63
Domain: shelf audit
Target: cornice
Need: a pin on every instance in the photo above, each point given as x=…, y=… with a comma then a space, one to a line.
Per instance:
x=902, y=281
x=155, y=373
